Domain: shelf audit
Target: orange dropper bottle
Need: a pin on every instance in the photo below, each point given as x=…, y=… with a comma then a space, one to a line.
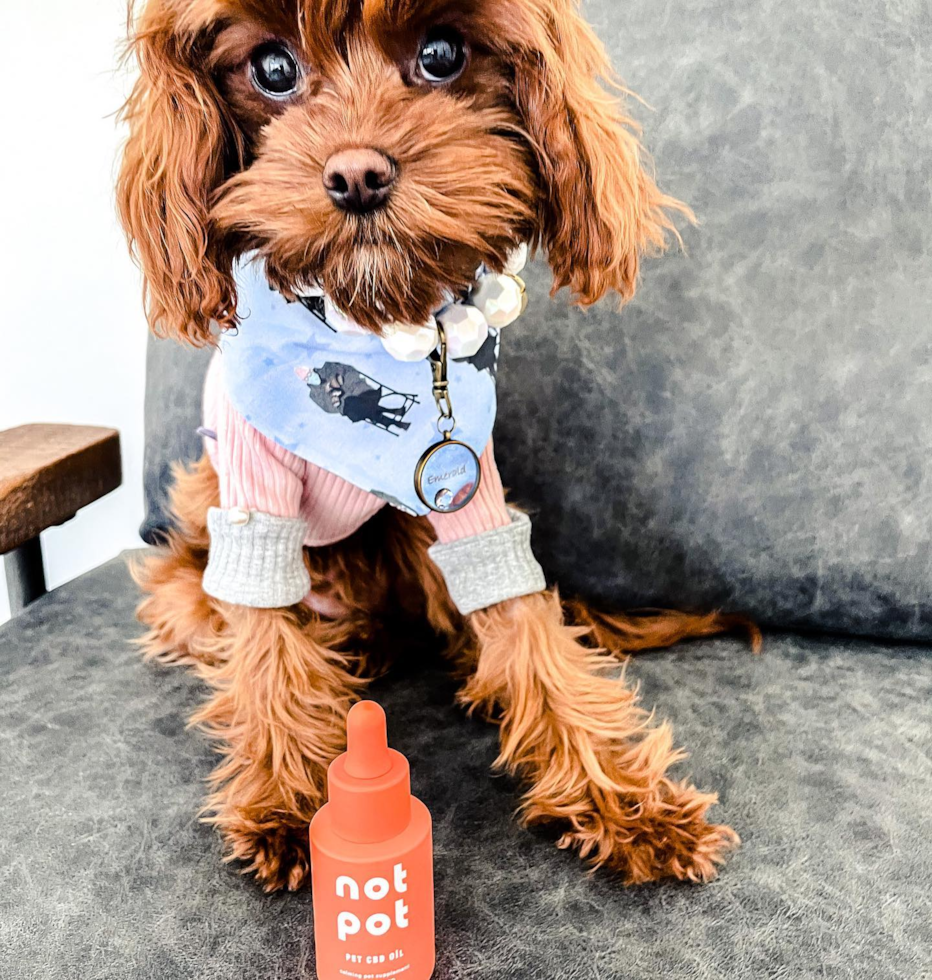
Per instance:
x=372, y=862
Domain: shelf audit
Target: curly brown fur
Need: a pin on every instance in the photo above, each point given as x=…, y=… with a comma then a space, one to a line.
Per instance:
x=281, y=679
x=277, y=712
x=213, y=168
x=655, y=629
x=542, y=151
x=595, y=764
x=185, y=624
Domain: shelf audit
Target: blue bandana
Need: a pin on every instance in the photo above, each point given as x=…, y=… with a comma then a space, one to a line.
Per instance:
x=340, y=400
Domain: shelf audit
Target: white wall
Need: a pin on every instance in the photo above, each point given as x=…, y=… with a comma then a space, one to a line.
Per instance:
x=72, y=335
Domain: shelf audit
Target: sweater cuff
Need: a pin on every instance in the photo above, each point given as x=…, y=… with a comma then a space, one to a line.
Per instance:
x=255, y=559
x=491, y=567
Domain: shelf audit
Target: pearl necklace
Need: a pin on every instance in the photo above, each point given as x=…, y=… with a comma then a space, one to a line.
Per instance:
x=495, y=300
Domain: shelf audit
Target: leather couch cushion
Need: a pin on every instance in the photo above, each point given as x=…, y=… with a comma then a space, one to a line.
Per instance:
x=752, y=431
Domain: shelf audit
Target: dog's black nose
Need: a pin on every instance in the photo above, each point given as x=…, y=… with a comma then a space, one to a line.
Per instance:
x=359, y=180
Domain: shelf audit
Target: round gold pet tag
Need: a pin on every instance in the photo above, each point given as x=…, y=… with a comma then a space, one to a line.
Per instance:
x=447, y=476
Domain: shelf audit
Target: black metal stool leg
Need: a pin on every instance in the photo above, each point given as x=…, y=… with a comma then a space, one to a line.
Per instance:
x=25, y=575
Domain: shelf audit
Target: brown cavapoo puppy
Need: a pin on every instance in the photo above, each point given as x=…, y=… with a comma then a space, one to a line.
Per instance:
x=380, y=151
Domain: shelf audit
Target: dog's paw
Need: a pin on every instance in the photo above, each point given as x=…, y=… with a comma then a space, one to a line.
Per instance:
x=666, y=837
x=709, y=853
x=279, y=857
x=692, y=853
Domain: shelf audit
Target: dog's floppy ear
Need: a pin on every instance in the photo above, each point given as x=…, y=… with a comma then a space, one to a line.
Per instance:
x=175, y=157
x=600, y=209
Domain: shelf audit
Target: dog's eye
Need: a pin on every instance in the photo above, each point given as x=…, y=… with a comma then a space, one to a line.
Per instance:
x=275, y=71
x=443, y=55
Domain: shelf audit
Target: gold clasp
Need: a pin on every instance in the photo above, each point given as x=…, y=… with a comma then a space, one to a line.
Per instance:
x=438, y=365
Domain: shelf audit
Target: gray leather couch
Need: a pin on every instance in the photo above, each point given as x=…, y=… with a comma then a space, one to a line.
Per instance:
x=752, y=433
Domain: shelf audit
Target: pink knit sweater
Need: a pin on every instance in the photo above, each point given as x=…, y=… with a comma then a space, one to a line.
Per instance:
x=256, y=474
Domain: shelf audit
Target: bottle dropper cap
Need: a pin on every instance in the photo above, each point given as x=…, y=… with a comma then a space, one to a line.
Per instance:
x=367, y=754
x=370, y=784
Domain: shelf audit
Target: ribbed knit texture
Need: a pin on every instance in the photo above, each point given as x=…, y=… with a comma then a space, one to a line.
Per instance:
x=259, y=563
x=485, y=512
x=490, y=567
x=291, y=502
x=257, y=474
